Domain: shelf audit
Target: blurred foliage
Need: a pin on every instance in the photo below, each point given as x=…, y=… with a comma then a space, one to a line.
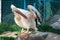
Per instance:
x=47, y=28
x=7, y=27
x=4, y=27
x=6, y=38
x=49, y=12
x=43, y=27
x=15, y=28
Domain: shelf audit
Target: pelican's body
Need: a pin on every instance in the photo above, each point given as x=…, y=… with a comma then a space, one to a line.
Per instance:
x=26, y=23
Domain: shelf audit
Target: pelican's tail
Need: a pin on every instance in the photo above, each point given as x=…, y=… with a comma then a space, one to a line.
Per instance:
x=36, y=13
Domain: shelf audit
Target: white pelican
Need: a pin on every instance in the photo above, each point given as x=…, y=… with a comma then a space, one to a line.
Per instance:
x=25, y=18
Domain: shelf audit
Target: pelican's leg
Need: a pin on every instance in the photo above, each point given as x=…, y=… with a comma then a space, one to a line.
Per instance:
x=27, y=30
x=22, y=29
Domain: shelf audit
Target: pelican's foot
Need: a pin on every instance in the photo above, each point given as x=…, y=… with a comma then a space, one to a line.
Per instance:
x=28, y=32
x=24, y=35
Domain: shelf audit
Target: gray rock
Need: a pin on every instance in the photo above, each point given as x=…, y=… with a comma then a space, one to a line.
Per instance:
x=35, y=36
x=53, y=36
x=55, y=20
x=56, y=25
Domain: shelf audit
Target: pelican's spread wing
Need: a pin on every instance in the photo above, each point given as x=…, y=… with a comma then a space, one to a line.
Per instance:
x=33, y=9
x=35, y=13
x=19, y=11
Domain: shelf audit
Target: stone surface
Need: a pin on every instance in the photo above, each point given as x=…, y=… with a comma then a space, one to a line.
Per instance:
x=53, y=36
x=55, y=20
x=56, y=25
x=35, y=36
